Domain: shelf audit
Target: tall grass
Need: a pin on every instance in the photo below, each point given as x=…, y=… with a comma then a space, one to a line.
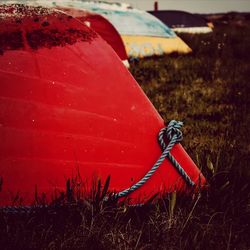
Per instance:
x=210, y=91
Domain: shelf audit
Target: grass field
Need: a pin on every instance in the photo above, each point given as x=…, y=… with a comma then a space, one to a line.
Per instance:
x=209, y=90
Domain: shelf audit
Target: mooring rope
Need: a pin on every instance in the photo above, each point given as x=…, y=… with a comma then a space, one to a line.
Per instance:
x=174, y=135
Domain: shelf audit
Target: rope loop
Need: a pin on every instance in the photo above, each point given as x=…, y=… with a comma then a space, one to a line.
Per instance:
x=173, y=129
x=172, y=132
x=174, y=135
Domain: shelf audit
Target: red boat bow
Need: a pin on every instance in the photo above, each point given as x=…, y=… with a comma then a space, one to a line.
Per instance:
x=68, y=104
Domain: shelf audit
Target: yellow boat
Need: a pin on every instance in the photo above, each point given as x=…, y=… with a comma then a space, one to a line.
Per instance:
x=141, y=46
x=142, y=33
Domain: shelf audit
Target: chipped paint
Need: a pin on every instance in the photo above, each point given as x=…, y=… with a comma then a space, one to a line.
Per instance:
x=43, y=28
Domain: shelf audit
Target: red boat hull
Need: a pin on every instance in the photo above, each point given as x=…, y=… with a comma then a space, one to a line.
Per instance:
x=74, y=108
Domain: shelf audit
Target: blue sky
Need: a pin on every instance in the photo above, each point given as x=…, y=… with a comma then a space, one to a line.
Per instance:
x=197, y=6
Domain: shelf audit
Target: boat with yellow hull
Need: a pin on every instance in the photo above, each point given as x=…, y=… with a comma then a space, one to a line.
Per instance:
x=142, y=33
x=141, y=46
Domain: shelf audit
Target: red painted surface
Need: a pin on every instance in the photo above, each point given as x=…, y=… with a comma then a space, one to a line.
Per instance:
x=70, y=105
x=103, y=27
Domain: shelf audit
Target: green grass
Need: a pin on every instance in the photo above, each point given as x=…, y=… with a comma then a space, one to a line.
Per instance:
x=210, y=91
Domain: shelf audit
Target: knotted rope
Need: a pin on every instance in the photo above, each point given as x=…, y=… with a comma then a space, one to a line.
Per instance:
x=174, y=135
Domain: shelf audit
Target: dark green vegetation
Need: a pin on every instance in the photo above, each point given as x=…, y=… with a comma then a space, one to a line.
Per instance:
x=210, y=91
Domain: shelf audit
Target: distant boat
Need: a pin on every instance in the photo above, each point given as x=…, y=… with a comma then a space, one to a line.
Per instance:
x=69, y=106
x=142, y=33
x=183, y=22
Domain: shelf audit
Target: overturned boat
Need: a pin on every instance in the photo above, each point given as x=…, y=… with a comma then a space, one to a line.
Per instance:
x=142, y=33
x=183, y=22
x=68, y=106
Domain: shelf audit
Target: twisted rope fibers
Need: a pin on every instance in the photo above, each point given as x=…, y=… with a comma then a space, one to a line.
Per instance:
x=174, y=136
